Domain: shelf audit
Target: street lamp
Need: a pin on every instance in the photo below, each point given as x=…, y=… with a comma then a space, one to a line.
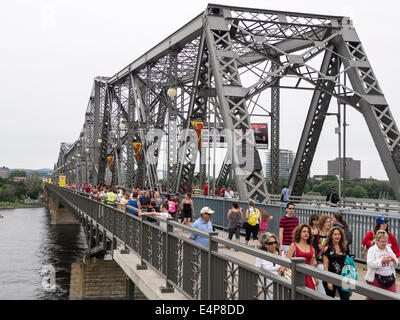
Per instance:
x=122, y=126
x=171, y=92
x=99, y=141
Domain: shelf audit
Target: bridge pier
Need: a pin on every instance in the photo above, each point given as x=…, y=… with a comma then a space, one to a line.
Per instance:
x=59, y=214
x=98, y=279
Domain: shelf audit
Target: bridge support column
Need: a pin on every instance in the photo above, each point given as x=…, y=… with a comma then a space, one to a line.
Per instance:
x=96, y=278
x=59, y=214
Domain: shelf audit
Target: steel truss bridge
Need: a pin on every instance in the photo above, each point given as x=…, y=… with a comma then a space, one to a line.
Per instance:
x=221, y=67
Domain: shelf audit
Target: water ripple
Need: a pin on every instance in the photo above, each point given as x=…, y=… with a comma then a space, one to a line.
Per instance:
x=29, y=242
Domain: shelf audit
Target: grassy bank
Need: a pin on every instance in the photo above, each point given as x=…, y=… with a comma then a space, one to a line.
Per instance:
x=7, y=205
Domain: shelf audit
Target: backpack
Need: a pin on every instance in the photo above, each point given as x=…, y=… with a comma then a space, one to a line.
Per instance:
x=334, y=198
x=253, y=218
x=349, y=271
x=171, y=206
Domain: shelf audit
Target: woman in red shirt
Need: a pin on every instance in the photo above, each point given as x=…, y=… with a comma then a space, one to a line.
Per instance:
x=302, y=247
x=381, y=224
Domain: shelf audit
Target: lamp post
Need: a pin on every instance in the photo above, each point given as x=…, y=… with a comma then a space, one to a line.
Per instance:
x=338, y=132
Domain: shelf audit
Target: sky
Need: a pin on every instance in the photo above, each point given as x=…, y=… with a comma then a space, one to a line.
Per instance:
x=52, y=50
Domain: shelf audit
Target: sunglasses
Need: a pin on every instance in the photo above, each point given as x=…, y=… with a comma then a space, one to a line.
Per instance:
x=291, y=208
x=271, y=243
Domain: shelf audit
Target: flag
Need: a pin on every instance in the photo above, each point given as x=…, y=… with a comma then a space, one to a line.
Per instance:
x=110, y=162
x=137, y=147
x=198, y=128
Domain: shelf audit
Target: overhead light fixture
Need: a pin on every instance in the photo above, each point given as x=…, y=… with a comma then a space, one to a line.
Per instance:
x=171, y=92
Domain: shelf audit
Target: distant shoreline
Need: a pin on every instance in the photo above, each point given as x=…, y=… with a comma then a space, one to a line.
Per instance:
x=23, y=207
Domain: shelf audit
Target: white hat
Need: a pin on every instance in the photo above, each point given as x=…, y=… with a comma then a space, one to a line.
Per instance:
x=206, y=210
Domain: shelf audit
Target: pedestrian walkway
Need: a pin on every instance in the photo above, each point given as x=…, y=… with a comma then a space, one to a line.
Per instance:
x=361, y=268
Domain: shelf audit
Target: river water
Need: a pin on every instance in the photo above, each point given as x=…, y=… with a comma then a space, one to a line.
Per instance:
x=29, y=247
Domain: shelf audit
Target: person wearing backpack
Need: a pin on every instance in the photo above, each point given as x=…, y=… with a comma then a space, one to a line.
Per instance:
x=253, y=218
x=332, y=198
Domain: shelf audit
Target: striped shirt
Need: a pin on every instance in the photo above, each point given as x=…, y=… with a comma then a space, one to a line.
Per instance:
x=288, y=224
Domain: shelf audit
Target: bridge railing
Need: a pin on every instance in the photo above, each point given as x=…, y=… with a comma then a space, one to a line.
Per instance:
x=382, y=205
x=202, y=272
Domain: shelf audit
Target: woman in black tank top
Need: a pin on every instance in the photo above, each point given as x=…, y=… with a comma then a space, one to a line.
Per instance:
x=187, y=209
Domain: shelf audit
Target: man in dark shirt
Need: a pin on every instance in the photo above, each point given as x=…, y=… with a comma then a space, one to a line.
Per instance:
x=332, y=198
x=286, y=226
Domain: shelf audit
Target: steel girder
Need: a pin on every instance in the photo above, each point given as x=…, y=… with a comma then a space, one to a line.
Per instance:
x=275, y=148
x=249, y=180
x=197, y=111
x=240, y=53
x=313, y=126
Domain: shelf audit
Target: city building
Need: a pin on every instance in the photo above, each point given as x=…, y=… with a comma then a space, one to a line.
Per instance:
x=353, y=168
x=4, y=172
x=286, y=160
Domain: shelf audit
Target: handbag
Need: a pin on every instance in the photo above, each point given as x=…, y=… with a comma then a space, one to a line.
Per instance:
x=386, y=281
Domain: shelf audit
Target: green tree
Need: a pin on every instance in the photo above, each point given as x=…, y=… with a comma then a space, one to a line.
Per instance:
x=329, y=177
x=17, y=173
x=33, y=186
x=359, y=192
x=324, y=187
x=7, y=193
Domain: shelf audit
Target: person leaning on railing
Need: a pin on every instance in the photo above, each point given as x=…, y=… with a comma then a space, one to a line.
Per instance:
x=203, y=224
x=302, y=247
x=268, y=242
x=381, y=262
x=124, y=201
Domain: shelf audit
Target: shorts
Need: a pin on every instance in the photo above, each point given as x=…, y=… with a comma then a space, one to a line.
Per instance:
x=252, y=230
x=234, y=231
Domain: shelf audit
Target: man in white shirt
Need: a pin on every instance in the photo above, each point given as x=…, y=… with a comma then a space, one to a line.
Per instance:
x=229, y=193
x=163, y=214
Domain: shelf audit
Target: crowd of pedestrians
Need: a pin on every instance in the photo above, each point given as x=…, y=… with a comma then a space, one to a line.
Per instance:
x=324, y=241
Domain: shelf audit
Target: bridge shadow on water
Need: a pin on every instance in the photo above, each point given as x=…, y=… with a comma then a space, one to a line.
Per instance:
x=61, y=246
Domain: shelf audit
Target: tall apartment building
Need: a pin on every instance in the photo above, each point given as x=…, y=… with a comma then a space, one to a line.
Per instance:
x=353, y=168
x=286, y=160
x=4, y=172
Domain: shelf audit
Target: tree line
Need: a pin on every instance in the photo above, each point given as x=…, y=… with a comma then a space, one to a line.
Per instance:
x=355, y=188
x=11, y=191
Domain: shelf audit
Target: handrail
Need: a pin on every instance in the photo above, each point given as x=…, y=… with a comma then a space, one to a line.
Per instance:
x=202, y=263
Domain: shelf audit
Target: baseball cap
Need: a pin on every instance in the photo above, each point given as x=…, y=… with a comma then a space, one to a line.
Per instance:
x=381, y=219
x=206, y=210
